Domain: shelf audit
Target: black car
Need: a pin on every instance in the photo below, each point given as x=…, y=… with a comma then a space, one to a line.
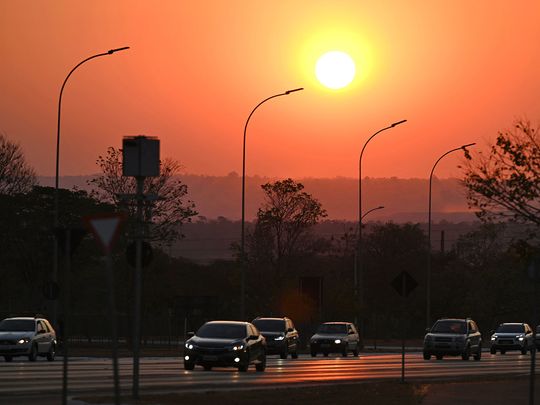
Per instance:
x=226, y=344
x=281, y=336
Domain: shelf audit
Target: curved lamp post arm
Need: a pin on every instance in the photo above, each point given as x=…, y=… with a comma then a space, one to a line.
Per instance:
x=360, y=169
x=380, y=207
x=57, y=171
x=242, y=236
x=428, y=277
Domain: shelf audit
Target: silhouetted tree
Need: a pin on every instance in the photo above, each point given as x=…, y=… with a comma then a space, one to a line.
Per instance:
x=165, y=215
x=505, y=184
x=16, y=176
x=282, y=235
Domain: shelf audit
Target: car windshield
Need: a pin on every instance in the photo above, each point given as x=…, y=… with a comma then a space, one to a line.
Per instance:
x=17, y=325
x=458, y=327
x=222, y=331
x=270, y=325
x=332, y=328
x=510, y=329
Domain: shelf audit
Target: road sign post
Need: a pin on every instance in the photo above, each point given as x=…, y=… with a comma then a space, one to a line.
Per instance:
x=105, y=228
x=140, y=159
x=404, y=284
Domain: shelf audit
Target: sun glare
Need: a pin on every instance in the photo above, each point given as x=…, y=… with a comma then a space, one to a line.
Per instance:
x=335, y=69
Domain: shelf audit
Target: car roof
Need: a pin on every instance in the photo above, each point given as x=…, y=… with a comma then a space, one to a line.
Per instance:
x=259, y=318
x=22, y=318
x=337, y=323
x=231, y=322
x=454, y=319
x=512, y=323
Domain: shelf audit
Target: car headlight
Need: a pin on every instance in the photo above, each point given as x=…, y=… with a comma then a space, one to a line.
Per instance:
x=337, y=341
x=521, y=338
x=23, y=341
x=189, y=346
x=238, y=347
x=279, y=338
x=313, y=341
x=493, y=337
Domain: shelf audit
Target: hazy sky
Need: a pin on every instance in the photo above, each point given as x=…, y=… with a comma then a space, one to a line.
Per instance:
x=458, y=71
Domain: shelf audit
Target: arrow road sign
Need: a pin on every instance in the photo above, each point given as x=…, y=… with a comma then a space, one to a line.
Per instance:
x=404, y=284
x=105, y=228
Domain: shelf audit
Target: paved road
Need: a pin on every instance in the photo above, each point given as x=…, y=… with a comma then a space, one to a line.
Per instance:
x=22, y=380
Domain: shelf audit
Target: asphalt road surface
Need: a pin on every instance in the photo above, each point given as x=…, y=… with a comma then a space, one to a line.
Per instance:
x=22, y=381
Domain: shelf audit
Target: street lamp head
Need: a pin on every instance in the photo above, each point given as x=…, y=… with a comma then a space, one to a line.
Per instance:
x=293, y=90
x=111, y=51
x=397, y=123
x=469, y=144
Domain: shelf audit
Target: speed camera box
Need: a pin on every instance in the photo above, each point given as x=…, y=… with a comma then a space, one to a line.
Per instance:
x=140, y=156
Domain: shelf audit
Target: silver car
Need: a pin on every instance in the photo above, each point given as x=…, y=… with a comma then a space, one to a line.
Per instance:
x=31, y=337
x=335, y=337
x=512, y=336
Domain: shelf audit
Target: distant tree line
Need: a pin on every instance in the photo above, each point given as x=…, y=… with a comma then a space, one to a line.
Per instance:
x=484, y=275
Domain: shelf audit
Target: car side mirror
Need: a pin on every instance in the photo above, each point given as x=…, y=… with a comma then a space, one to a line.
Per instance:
x=40, y=332
x=190, y=334
x=290, y=330
x=252, y=337
x=351, y=332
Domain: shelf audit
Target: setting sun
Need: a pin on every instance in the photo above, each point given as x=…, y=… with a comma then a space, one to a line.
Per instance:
x=335, y=69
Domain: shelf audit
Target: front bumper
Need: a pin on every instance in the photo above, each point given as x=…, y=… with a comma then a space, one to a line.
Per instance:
x=276, y=346
x=15, y=350
x=444, y=348
x=327, y=346
x=508, y=344
x=223, y=359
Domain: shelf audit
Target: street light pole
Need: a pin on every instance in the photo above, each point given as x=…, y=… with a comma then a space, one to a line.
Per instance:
x=57, y=171
x=242, y=235
x=428, y=276
x=358, y=268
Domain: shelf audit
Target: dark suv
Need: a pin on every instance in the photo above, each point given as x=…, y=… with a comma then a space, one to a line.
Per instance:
x=453, y=337
x=281, y=336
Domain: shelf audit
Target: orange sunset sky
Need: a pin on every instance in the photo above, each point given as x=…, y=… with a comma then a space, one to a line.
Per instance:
x=458, y=71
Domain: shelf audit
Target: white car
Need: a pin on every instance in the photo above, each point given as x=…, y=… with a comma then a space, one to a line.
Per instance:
x=335, y=337
x=512, y=336
x=31, y=337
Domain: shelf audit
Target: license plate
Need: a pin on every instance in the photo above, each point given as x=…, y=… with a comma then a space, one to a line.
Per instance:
x=209, y=358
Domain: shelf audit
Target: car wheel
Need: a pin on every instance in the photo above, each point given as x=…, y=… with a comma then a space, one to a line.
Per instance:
x=439, y=357
x=243, y=368
x=283, y=355
x=355, y=352
x=262, y=365
x=427, y=356
x=325, y=354
x=51, y=353
x=207, y=368
x=503, y=351
x=313, y=354
x=8, y=358
x=493, y=350
x=466, y=354
x=188, y=366
x=524, y=350
x=345, y=351
x=33, y=353
x=478, y=354
x=294, y=355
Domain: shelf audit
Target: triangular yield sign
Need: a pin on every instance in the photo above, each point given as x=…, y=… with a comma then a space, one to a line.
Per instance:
x=105, y=228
